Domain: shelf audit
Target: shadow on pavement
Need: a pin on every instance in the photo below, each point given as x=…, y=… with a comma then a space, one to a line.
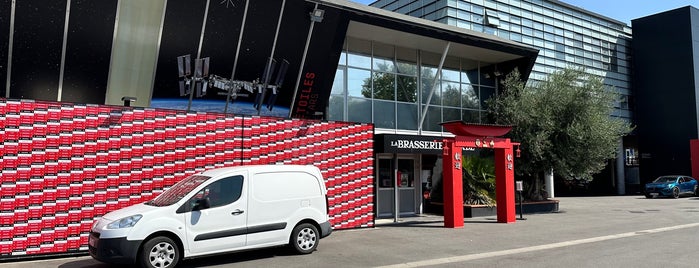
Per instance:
x=215, y=260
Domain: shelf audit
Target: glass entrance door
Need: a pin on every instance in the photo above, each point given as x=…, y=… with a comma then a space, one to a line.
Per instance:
x=398, y=172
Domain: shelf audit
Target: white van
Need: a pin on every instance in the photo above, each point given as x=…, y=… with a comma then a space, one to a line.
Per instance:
x=217, y=211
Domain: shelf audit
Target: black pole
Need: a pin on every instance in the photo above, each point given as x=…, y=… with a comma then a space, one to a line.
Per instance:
x=521, y=207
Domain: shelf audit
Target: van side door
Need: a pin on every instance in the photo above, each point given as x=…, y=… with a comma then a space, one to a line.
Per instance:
x=217, y=219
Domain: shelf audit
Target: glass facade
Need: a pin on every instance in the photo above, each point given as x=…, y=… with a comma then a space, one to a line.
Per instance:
x=391, y=86
x=565, y=35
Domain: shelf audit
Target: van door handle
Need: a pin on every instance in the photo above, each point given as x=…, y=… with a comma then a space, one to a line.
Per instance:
x=237, y=212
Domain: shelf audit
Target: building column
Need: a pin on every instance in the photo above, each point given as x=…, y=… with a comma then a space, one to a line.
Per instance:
x=620, y=169
x=452, y=185
x=505, y=185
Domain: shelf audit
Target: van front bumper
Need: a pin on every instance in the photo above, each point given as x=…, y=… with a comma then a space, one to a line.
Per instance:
x=113, y=250
x=325, y=229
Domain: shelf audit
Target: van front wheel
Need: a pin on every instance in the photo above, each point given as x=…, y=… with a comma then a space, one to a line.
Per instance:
x=304, y=238
x=159, y=252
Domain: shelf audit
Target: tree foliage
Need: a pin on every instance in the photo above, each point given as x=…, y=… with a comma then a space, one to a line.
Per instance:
x=478, y=180
x=564, y=123
x=387, y=84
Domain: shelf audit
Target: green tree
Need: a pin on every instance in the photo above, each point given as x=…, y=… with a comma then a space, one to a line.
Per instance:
x=564, y=123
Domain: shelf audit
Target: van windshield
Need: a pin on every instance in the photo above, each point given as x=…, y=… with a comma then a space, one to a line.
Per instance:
x=177, y=191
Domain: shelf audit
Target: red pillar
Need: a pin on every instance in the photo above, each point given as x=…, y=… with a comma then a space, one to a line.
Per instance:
x=452, y=186
x=694, y=157
x=505, y=184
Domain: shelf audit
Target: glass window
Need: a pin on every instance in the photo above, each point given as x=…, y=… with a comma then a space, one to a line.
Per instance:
x=470, y=116
x=463, y=15
x=504, y=34
x=406, y=89
x=220, y=193
x=343, y=59
x=178, y=191
x=515, y=28
x=407, y=59
x=383, y=58
x=359, y=53
x=336, y=108
x=560, y=55
x=428, y=76
x=450, y=74
x=548, y=28
x=463, y=24
x=469, y=73
x=490, y=4
x=339, y=82
x=452, y=114
x=433, y=118
x=384, y=86
x=477, y=10
x=516, y=37
x=490, y=30
x=407, y=68
x=385, y=114
x=407, y=116
x=463, y=5
x=359, y=60
x=485, y=94
x=469, y=96
x=358, y=83
x=450, y=70
x=477, y=18
x=359, y=110
x=451, y=93
x=538, y=42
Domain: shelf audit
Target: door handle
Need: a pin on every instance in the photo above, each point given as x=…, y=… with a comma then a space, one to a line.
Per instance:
x=237, y=212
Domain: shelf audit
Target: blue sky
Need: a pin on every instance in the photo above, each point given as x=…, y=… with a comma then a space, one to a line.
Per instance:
x=621, y=10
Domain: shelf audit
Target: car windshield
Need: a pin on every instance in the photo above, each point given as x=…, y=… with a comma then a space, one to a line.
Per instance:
x=665, y=179
x=177, y=191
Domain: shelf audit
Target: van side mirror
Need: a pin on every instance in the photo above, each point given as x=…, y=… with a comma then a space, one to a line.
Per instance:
x=200, y=204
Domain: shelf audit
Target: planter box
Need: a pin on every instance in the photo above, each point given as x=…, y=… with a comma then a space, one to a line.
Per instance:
x=470, y=211
x=546, y=206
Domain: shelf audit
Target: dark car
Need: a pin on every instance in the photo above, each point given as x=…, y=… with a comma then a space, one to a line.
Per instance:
x=671, y=185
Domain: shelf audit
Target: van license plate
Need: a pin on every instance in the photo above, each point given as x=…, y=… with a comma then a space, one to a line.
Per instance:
x=92, y=241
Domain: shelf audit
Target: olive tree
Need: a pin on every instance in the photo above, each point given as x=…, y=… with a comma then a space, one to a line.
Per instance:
x=564, y=124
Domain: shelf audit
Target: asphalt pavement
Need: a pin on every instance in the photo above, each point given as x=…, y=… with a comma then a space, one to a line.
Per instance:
x=617, y=231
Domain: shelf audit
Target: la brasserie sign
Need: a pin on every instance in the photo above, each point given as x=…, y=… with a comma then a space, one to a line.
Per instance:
x=416, y=145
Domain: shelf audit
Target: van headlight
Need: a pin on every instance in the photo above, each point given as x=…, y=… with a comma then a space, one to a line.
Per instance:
x=127, y=222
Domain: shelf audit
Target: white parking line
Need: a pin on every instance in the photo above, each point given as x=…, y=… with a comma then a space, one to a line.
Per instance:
x=484, y=255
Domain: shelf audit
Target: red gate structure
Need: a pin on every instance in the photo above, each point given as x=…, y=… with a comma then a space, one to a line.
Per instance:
x=477, y=136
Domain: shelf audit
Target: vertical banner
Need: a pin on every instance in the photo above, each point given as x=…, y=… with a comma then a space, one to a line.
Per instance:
x=318, y=73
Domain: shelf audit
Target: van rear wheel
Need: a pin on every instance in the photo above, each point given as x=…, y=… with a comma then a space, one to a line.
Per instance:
x=159, y=252
x=304, y=238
